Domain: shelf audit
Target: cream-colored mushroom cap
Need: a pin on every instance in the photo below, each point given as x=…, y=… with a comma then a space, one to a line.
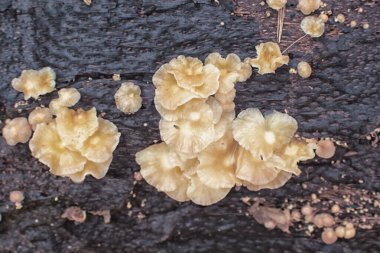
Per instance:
x=227, y=100
x=34, y=83
x=173, y=115
x=304, y=69
x=100, y=145
x=97, y=170
x=279, y=181
x=46, y=145
x=224, y=124
x=74, y=127
x=192, y=132
x=128, y=98
x=231, y=68
x=68, y=96
x=269, y=58
x=313, y=26
x=262, y=136
x=161, y=168
x=16, y=131
x=40, y=115
x=308, y=6
x=276, y=4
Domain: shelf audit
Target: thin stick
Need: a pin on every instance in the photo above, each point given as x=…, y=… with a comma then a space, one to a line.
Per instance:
x=281, y=23
x=294, y=43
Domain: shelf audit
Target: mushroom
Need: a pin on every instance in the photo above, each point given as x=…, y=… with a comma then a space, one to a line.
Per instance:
x=183, y=79
x=16, y=130
x=232, y=70
x=329, y=236
x=278, y=5
x=173, y=115
x=75, y=213
x=34, y=83
x=304, y=69
x=128, y=98
x=226, y=100
x=40, y=115
x=67, y=97
x=268, y=59
x=279, y=181
x=308, y=6
x=325, y=149
x=97, y=170
x=262, y=136
x=313, y=26
x=223, y=124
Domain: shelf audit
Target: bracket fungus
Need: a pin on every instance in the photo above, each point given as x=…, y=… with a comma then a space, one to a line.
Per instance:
x=128, y=98
x=308, y=6
x=34, y=83
x=16, y=130
x=269, y=58
x=313, y=26
x=40, y=115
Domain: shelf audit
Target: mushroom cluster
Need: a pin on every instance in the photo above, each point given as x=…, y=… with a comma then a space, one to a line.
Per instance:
x=205, y=150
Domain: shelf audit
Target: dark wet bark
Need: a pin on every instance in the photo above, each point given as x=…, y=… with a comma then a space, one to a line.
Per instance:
x=86, y=45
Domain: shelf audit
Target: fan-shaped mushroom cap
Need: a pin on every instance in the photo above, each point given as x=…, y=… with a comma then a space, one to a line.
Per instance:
x=231, y=68
x=203, y=195
x=269, y=58
x=261, y=136
x=16, y=131
x=227, y=100
x=308, y=6
x=74, y=127
x=276, y=4
x=100, y=145
x=128, y=98
x=40, y=115
x=68, y=96
x=313, y=26
x=217, y=163
x=46, y=145
x=97, y=170
x=192, y=132
x=279, y=181
x=34, y=83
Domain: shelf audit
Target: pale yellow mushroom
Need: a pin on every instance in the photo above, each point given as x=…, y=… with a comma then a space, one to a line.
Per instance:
x=308, y=6
x=329, y=236
x=100, y=145
x=74, y=127
x=216, y=108
x=232, y=70
x=279, y=181
x=262, y=136
x=269, y=58
x=67, y=97
x=313, y=26
x=34, y=83
x=304, y=69
x=97, y=170
x=40, y=115
x=128, y=98
x=276, y=4
x=224, y=124
x=227, y=100
x=16, y=130
x=173, y=115
x=192, y=132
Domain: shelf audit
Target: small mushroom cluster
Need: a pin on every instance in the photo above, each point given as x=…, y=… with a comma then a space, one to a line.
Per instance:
x=205, y=151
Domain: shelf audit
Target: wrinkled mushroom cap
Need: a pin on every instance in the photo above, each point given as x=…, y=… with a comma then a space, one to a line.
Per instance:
x=100, y=145
x=192, y=132
x=68, y=96
x=313, y=26
x=276, y=4
x=16, y=131
x=97, y=170
x=308, y=6
x=261, y=136
x=269, y=58
x=231, y=68
x=74, y=127
x=40, y=115
x=128, y=98
x=34, y=83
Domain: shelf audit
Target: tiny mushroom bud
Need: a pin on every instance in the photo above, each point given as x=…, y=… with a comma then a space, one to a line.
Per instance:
x=276, y=4
x=349, y=232
x=340, y=18
x=307, y=210
x=74, y=213
x=329, y=236
x=304, y=69
x=16, y=131
x=313, y=26
x=40, y=115
x=340, y=231
x=353, y=24
x=34, y=83
x=328, y=220
x=324, y=17
x=308, y=6
x=325, y=149
x=16, y=196
x=128, y=98
x=335, y=208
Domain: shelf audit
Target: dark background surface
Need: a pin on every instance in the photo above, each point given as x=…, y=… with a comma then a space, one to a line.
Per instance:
x=86, y=45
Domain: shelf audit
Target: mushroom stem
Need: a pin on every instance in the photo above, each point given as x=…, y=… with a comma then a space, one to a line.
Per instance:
x=293, y=43
x=280, y=23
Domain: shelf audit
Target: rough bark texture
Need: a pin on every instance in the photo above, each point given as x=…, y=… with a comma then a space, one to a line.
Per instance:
x=87, y=44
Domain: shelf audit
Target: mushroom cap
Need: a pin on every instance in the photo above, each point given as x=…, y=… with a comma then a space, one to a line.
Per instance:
x=173, y=115
x=269, y=58
x=329, y=236
x=40, y=115
x=97, y=170
x=261, y=136
x=55, y=106
x=276, y=4
x=217, y=163
x=46, y=145
x=279, y=181
x=308, y=6
x=256, y=171
x=192, y=132
x=325, y=149
x=68, y=96
x=224, y=124
x=16, y=131
x=128, y=98
x=34, y=83
x=74, y=127
x=304, y=69
x=100, y=145
x=231, y=68
x=216, y=108
x=226, y=100
x=313, y=26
